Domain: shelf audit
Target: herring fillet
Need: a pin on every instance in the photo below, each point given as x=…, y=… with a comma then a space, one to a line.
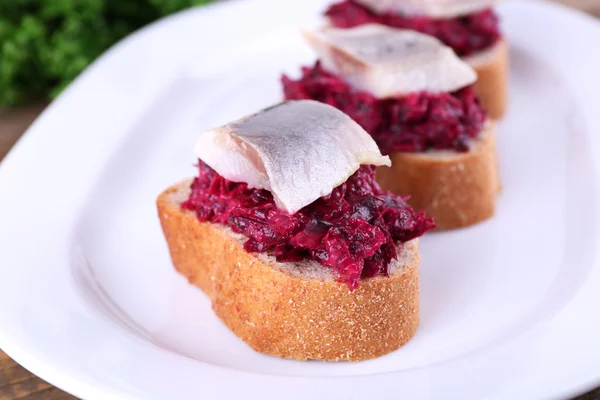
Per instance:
x=298, y=150
x=389, y=62
x=429, y=8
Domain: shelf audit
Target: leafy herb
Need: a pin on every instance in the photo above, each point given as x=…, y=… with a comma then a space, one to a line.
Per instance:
x=45, y=44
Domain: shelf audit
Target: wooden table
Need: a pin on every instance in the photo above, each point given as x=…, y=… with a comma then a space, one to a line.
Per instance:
x=18, y=383
x=15, y=381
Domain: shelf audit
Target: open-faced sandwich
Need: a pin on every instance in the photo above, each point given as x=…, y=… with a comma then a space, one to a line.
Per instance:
x=469, y=27
x=415, y=97
x=285, y=229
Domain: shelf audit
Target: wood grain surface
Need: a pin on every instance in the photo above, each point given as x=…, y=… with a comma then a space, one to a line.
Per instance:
x=18, y=383
x=15, y=381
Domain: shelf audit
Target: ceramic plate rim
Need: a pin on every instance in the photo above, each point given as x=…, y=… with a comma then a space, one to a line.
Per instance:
x=35, y=144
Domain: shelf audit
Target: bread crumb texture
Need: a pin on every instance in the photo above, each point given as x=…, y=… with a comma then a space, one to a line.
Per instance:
x=291, y=310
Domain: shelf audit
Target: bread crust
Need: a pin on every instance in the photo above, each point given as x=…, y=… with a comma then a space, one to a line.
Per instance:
x=286, y=315
x=456, y=189
x=492, y=78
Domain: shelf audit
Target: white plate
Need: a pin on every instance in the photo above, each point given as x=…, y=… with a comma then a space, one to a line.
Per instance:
x=91, y=303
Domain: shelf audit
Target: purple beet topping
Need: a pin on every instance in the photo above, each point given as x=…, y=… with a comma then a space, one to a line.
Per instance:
x=466, y=35
x=354, y=230
x=413, y=123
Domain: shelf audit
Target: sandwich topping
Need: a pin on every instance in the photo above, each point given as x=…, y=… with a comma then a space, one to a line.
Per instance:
x=435, y=109
x=388, y=62
x=430, y=8
x=353, y=229
x=299, y=151
x=467, y=26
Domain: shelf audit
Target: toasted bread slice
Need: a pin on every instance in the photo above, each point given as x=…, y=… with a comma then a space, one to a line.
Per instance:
x=456, y=189
x=292, y=310
x=492, y=78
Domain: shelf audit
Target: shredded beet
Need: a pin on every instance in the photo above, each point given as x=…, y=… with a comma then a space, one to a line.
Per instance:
x=466, y=35
x=412, y=123
x=353, y=230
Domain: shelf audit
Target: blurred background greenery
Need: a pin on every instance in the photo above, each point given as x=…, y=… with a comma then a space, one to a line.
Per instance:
x=45, y=44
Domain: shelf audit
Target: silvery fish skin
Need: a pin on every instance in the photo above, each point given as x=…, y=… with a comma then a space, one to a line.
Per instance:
x=388, y=62
x=298, y=150
x=429, y=8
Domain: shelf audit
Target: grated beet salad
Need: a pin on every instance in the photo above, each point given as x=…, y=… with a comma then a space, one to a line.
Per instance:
x=466, y=35
x=353, y=230
x=412, y=123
